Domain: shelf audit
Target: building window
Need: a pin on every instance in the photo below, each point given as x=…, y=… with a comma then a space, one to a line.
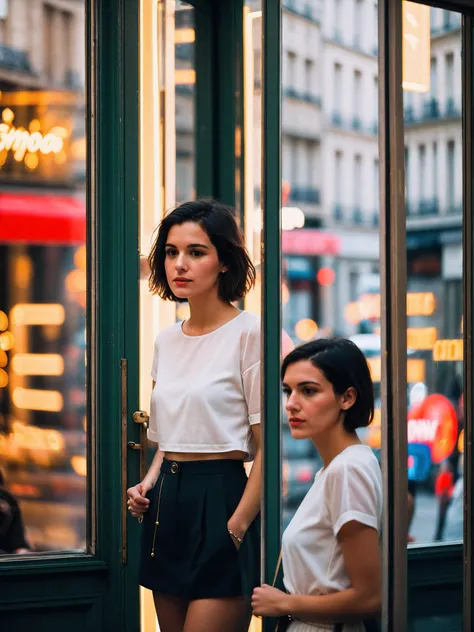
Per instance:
x=3, y=21
x=357, y=92
x=422, y=171
x=291, y=74
x=337, y=19
x=358, y=23
x=338, y=178
x=337, y=86
x=376, y=184
x=357, y=181
x=451, y=175
x=449, y=75
x=310, y=156
x=435, y=172
x=433, y=78
x=376, y=99
x=308, y=77
x=407, y=174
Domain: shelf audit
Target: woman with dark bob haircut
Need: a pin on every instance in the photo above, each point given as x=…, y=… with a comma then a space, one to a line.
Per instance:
x=200, y=512
x=330, y=550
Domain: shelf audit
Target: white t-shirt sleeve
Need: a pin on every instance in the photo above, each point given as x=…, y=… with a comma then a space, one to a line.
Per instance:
x=154, y=365
x=251, y=373
x=351, y=495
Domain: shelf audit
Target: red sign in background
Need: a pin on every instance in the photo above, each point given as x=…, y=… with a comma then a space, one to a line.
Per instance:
x=434, y=422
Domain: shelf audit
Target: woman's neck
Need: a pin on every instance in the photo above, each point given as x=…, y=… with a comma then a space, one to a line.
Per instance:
x=334, y=442
x=209, y=312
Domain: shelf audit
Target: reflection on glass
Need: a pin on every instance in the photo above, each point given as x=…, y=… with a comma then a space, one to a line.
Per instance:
x=185, y=79
x=167, y=148
x=43, y=284
x=433, y=164
x=330, y=198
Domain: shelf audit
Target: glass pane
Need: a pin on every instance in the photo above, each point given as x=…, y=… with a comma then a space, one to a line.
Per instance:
x=433, y=165
x=43, y=395
x=330, y=199
x=167, y=148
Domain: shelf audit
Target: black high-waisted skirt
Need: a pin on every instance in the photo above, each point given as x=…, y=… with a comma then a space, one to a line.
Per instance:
x=186, y=549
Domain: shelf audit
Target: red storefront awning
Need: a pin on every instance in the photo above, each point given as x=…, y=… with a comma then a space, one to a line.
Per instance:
x=309, y=241
x=41, y=219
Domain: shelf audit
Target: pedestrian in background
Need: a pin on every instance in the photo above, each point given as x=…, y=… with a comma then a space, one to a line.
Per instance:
x=200, y=541
x=12, y=531
x=444, y=486
x=330, y=550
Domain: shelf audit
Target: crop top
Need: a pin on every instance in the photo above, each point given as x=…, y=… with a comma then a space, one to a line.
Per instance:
x=207, y=391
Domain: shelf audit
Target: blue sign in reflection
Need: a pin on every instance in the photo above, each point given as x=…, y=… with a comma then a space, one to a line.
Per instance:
x=419, y=462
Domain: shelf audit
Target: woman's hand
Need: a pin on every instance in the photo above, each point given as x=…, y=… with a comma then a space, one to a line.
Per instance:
x=137, y=500
x=269, y=602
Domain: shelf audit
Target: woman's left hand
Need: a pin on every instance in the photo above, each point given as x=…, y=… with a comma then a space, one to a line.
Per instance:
x=268, y=601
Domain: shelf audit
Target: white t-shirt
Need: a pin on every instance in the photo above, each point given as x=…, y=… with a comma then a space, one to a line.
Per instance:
x=350, y=488
x=207, y=391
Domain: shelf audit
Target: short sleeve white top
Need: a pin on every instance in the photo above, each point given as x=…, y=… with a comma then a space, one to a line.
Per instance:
x=207, y=391
x=350, y=488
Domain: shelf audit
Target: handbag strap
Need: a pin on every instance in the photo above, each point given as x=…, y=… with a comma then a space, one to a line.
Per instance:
x=277, y=569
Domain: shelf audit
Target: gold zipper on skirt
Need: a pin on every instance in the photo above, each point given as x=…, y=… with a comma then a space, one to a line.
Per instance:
x=157, y=520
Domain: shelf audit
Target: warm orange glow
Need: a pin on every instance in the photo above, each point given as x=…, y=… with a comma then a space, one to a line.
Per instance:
x=184, y=36
x=3, y=321
x=461, y=442
x=37, y=364
x=38, y=314
x=416, y=47
x=35, y=399
x=79, y=465
x=3, y=358
x=351, y=313
x=306, y=329
x=421, y=338
x=80, y=257
x=184, y=76
x=415, y=369
x=3, y=378
x=6, y=341
x=76, y=281
x=420, y=303
x=448, y=351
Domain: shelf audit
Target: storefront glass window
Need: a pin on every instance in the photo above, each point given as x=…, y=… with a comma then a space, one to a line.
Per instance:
x=43, y=255
x=433, y=132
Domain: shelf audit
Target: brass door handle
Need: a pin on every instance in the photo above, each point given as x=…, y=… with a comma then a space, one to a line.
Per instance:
x=142, y=418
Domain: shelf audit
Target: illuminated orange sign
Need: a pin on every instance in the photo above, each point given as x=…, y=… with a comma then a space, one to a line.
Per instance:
x=421, y=338
x=420, y=303
x=448, y=350
x=368, y=306
x=416, y=47
x=415, y=369
x=434, y=423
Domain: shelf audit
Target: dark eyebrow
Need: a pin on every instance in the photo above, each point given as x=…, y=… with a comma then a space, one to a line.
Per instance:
x=189, y=246
x=284, y=385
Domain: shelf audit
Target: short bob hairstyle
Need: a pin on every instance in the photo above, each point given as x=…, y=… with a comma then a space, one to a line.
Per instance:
x=344, y=365
x=220, y=225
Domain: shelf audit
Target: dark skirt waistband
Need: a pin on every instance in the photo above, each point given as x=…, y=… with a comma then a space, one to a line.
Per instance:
x=216, y=466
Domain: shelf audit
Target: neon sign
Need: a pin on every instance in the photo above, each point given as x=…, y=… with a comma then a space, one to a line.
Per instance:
x=25, y=143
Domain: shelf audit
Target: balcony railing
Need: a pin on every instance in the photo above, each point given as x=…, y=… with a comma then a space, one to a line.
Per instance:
x=308, y=97
x=305, y=194
x=354, y=124
x=354, y=44
x=431, y=112
x=355, y=216
x=451, y=23
x=14, y=59
x=308, y=12
x=426, y=207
